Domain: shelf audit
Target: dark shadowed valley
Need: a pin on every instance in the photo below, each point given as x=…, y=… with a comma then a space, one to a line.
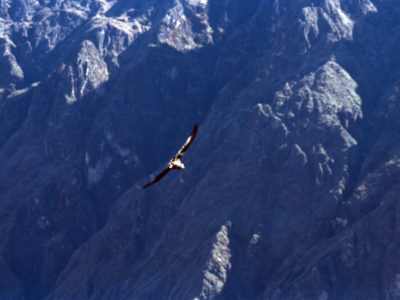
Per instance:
x=290, y=190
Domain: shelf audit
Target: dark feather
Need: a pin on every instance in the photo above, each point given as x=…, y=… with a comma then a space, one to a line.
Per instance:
x=179, y=155
x=158, y=178
x=189, y=141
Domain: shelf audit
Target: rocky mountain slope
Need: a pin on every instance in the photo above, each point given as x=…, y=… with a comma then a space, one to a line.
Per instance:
x=292, y=185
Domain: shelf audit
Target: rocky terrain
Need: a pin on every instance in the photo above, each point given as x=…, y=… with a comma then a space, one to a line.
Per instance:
x=291, y=188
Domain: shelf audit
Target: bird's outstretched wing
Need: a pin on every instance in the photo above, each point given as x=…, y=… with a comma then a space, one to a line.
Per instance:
x=158, y=178
x=189, y=141
x=179, y=155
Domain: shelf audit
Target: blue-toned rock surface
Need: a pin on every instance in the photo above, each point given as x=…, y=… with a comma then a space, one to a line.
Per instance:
x=291, y=187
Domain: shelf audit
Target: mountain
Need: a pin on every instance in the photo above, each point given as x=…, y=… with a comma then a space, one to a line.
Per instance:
x=291, y=188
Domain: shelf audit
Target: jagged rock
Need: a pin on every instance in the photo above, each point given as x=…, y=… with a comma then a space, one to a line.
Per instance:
x=9, y=66
x=290, y=190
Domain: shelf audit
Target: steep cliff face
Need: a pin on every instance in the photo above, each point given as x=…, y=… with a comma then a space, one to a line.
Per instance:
x=291, y=186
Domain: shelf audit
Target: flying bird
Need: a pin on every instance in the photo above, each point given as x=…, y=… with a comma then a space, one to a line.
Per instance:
x=175, y=162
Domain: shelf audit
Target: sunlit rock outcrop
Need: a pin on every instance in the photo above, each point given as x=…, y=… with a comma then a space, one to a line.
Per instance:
x=290, y=189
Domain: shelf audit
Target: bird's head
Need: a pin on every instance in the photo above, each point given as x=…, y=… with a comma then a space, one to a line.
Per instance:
x=176, y=164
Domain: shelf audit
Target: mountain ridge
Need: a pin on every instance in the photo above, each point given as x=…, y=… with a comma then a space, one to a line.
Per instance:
x=290, y=189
